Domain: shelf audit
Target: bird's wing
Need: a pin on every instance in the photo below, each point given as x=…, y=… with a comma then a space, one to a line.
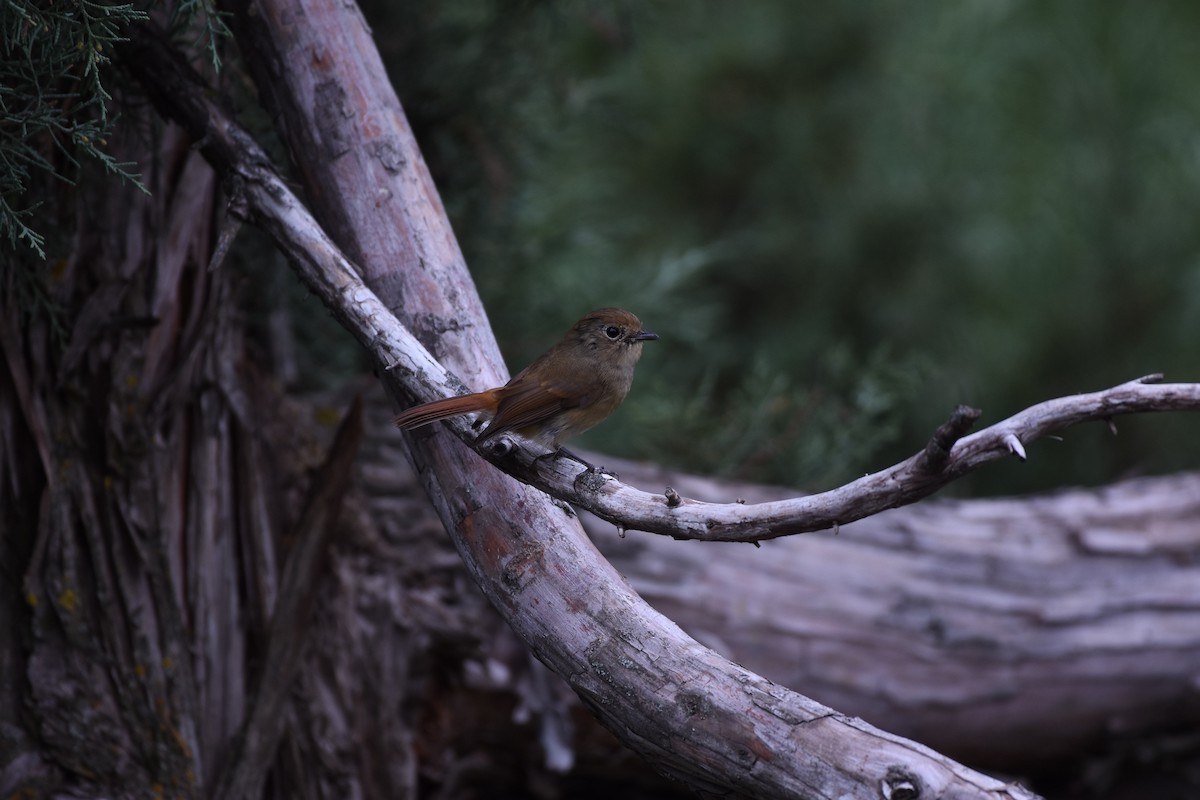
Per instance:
x=525, y=403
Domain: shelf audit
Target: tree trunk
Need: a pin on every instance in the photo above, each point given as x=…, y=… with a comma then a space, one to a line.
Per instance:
x=122, y=442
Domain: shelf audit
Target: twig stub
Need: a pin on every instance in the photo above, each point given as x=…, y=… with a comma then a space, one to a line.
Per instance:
x=937, y=451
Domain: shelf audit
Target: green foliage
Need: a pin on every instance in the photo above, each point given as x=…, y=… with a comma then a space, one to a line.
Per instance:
x=52, y=99
x=54, y=62
x=200, y=21
x=842, y=218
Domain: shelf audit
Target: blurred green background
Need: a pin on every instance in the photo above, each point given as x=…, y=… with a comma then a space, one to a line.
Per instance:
x=841, y=218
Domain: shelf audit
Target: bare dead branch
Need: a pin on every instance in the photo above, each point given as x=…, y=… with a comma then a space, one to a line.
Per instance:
x=913, y=479
x=937, y=451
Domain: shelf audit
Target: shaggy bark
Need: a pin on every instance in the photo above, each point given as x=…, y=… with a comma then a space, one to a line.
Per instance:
x=119, y=436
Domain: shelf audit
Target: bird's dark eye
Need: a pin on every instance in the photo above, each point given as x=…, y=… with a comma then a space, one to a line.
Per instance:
x=612, y=332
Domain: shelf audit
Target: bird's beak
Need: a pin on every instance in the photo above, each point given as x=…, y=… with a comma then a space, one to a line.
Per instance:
x=642, y=336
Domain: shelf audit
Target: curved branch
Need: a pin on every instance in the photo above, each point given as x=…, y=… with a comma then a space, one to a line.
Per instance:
x=943, y=461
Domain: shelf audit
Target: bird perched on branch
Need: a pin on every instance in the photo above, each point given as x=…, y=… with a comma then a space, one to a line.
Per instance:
x=570, y=388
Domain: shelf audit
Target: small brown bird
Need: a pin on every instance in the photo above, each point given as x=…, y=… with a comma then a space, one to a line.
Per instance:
x=568, y=389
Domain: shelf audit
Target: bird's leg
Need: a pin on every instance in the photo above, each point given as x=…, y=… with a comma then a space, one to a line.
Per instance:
x=562, y=452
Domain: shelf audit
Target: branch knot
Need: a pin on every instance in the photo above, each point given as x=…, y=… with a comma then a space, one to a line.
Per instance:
x=937, y=451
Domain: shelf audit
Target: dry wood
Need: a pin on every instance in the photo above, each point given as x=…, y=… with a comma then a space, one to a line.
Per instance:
x=246, y=771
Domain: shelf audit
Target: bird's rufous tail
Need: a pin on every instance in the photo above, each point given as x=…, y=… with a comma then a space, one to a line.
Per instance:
x=424, y=414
